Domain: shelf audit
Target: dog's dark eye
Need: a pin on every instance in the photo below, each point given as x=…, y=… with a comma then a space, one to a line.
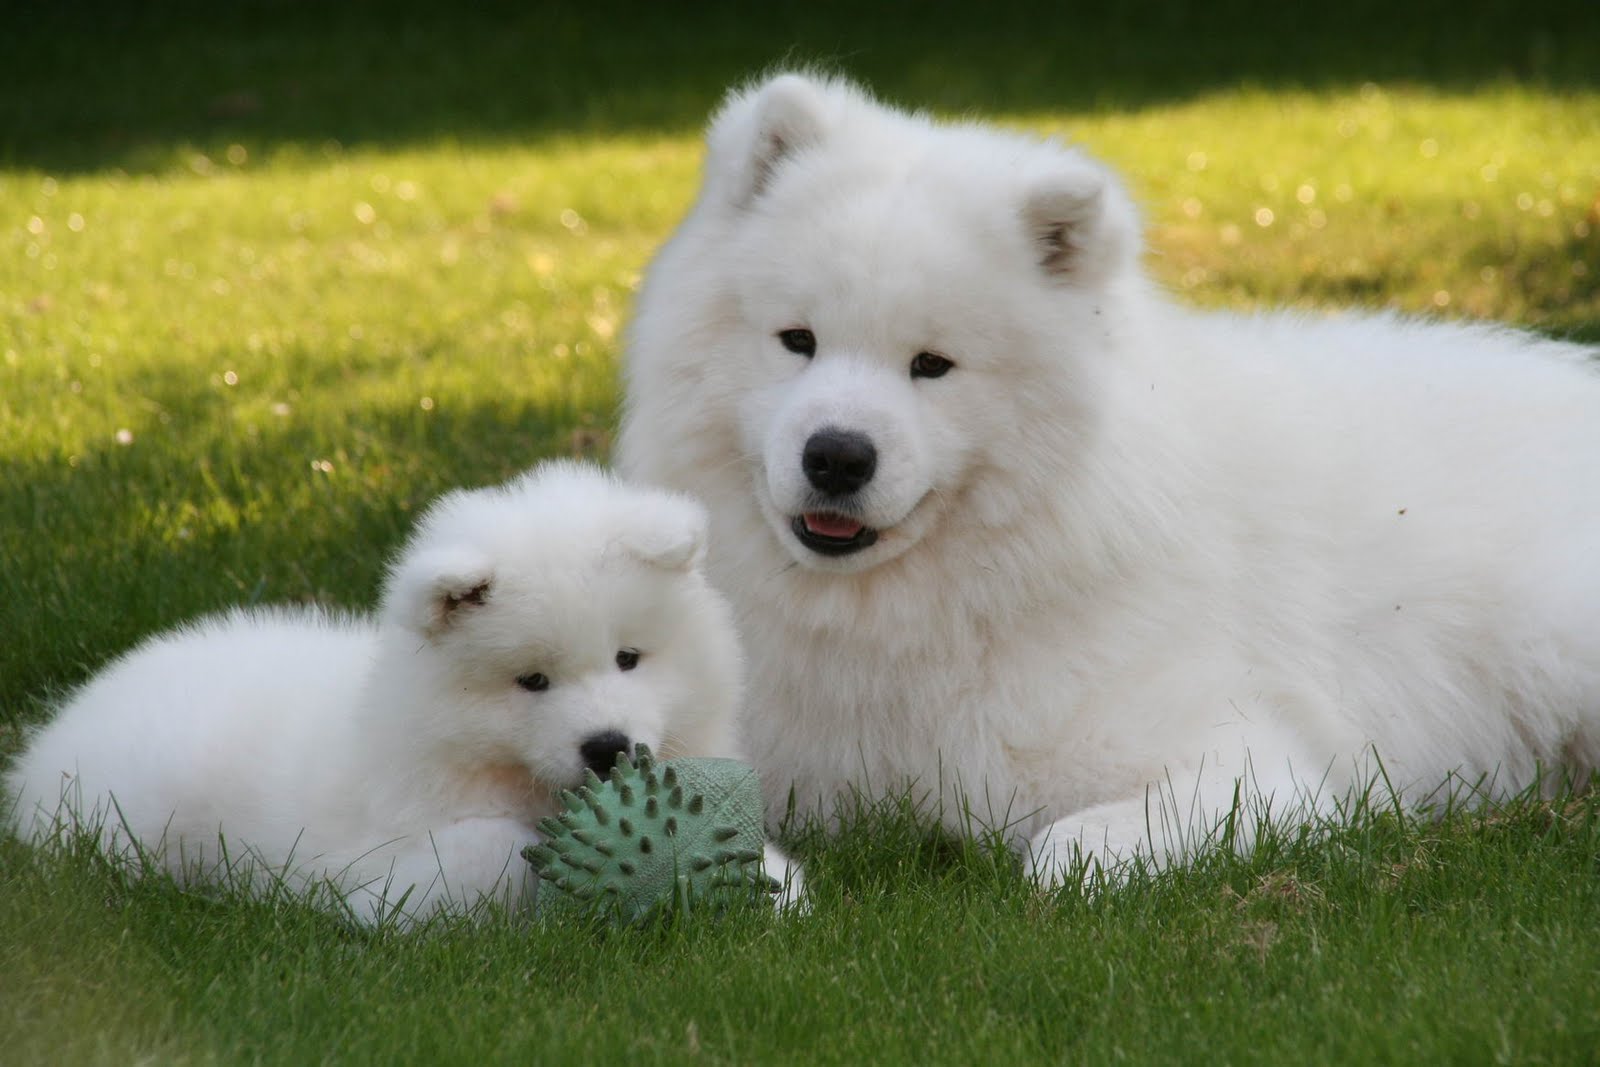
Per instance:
x=627, y=659
x=800, y=342
x=534, y=683
x=929, y=365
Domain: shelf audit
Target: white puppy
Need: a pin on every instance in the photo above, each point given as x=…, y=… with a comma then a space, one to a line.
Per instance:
x=1001, y=520
x=527, y=632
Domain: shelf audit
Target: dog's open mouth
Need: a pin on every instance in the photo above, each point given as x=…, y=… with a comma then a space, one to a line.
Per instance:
x=829, y=534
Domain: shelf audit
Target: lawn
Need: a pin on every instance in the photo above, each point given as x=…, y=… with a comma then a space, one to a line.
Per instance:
x=272, y=277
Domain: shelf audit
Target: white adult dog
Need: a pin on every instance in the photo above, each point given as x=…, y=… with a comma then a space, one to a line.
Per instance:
x=1001, y=520
x=528, y=633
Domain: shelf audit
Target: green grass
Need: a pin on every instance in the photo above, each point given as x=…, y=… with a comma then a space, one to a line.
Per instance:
x=270, y=279
x=1472, y=941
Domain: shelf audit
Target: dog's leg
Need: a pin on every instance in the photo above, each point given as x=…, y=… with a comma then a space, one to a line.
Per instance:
x=776, y=864
x=455, y=866
x=1221, y=800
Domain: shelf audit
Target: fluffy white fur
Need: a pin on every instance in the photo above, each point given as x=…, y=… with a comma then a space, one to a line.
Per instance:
x=1128, y=555
x=399, y=757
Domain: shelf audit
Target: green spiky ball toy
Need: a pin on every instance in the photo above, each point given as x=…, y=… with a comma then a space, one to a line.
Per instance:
x=685, y=833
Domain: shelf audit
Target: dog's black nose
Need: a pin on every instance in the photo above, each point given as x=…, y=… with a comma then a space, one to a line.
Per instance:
x=600, y=751
x=839, y=461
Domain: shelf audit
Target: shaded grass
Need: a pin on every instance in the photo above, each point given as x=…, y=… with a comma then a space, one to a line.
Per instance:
x=1364, y=945
x=273, y=276
x=96, y=85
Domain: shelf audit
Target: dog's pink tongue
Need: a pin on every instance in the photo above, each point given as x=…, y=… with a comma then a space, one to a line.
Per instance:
x=825, y=525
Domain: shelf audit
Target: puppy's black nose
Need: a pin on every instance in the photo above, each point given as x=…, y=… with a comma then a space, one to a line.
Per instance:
x=839, y=461
x=600, y=751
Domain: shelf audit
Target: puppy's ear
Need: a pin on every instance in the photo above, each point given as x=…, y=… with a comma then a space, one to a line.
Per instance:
x=667, y=532
x=758, y=129
x=433, y=590
x=1081, y=224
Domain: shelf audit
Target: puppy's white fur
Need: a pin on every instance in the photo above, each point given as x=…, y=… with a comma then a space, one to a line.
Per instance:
x=399, y=757
x=1125, y=552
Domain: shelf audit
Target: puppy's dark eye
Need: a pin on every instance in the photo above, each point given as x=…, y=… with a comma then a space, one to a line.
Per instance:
x=929, y=365
x=534, y=683
x=799, y=341
x=627, y=659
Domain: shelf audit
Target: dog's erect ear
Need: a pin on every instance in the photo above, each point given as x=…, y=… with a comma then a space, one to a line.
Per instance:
x=758, y=129
x=1081, y=223
x=431, y=591
x=667, y=532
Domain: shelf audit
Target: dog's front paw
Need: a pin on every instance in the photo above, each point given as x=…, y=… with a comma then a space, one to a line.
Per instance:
x=785, y=872
x=1090, y=852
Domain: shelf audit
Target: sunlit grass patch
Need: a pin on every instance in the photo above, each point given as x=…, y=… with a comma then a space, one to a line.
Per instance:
x=1484, y=204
